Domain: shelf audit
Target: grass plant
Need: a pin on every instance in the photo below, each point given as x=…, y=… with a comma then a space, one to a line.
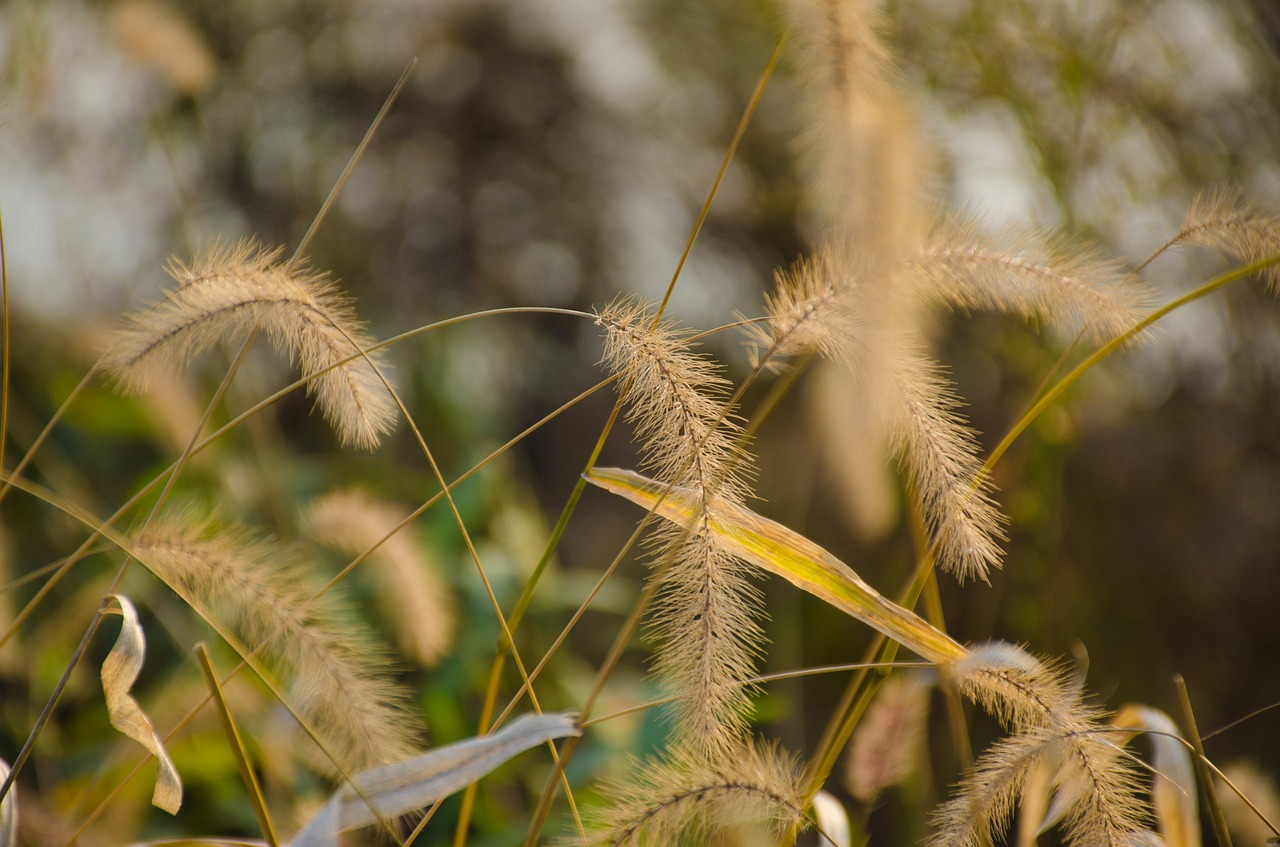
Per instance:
x=321, y=718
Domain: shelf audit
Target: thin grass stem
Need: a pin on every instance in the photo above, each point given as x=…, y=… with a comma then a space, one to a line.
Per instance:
x=1255, y=713
x=236, y=744
x=752, y=102
x=1235, y=790
x=5, y=361
x=1242, y=272
x=763, y=679
x=1201, y=765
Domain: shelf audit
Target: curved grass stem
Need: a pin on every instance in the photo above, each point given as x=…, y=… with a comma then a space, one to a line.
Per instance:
x=1242, y=272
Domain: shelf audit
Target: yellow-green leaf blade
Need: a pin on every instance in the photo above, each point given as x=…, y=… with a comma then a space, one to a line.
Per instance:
x=773, y=547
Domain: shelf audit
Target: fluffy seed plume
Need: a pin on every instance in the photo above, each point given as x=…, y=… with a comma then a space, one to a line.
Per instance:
x=811, y=309
x=938, y=454
x=1055, y=733
x=1038, y=275
x=857, y=138
x=255, y=592
x=706, y=624
x=418, y=603
x=231, y=290
x=1252, y=822
x=686, y=801
x=886, y=747
x=1224, y=221
x=1012, y=684
x=817, y=307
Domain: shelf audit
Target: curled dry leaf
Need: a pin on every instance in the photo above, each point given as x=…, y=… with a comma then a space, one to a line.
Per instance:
x=833, y=821
x=119, y=671
x=1174, y=788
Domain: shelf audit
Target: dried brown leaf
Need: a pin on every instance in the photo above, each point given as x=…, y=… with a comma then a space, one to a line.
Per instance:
x=120, y=670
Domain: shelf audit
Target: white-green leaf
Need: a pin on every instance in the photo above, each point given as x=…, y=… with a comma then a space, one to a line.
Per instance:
x=385, y=792
x=8, y=811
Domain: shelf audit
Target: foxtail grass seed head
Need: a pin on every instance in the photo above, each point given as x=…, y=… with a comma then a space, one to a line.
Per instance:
x=1032, y=274
x=1224, y=220
x=683, y=800
x=257, y=590
x=418, y=602
x=706, y=619
x=232, y=290
x=938, y=454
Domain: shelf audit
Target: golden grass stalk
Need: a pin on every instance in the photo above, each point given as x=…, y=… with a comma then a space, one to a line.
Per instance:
x=8, y=812
x=683, y=800
x=231, y=290
x=418, y=602
x=706, y=622
x=337, y=675
x=235, y=742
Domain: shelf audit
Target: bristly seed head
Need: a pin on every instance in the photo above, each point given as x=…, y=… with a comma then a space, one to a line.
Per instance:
x=230, y=291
